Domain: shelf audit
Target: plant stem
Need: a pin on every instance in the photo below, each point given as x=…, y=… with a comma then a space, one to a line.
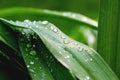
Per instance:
x=118, y=49
x=108, y=32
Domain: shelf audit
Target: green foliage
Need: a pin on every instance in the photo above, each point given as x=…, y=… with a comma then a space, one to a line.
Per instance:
x=31, y=49
x=81, y=61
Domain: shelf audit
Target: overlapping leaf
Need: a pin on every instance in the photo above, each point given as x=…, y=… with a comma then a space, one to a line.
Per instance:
x=82, y=61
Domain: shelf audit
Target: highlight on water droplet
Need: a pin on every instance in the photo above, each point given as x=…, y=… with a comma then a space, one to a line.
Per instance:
x=55, y=30
x=31, y=70
x=67, y=57
x=33, y=52
x=31, y=62
x=66, y=41
x=60, y=52
x=63, y=37
x=44, y=22
x=80, y=49
x=28, y=66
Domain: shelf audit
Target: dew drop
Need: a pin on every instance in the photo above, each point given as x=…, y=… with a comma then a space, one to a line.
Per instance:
x=80, y=49
x=55, y=30
x=31, y=70
x=60, y=52
x=33, y=45
x=34, y=22
x=65, y=41
x=91, y=59
x=88, y=78
x=44, y=22
x=63, y=37
x=28, y=66
x=26, y=20
x=23, y=33
x=33, y=52
x=31, y=62
x=67, y=57
x=51, y=27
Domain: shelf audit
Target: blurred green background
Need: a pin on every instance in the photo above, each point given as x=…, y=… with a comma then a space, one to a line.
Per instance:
x=87, y=7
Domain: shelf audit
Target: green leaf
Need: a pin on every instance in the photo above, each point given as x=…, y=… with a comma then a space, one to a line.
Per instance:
x=40, y=63
x=108, y=33
x=81, y=60
x=6, y=36
x=70, y=23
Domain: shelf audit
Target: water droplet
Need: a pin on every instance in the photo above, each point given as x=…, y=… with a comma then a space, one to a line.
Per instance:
x=28, y=66
x=33, y=45
x=34, y=22
x=76, y=44
x=51, y=27
x=91, y=59
x=23, y=33
x=67, y=57
x=31, y=70
x=80, y=49
x=63, y=37
x=55, y=30
x=60, y=52
x=44, y=22
x=65, y=41
x=33, y=52
x=31, y=62
x=88, y=78
x=26, y=20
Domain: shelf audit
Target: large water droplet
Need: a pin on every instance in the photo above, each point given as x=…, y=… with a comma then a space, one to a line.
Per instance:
x=31, y=62
x=44, y=22
x=33, y=52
